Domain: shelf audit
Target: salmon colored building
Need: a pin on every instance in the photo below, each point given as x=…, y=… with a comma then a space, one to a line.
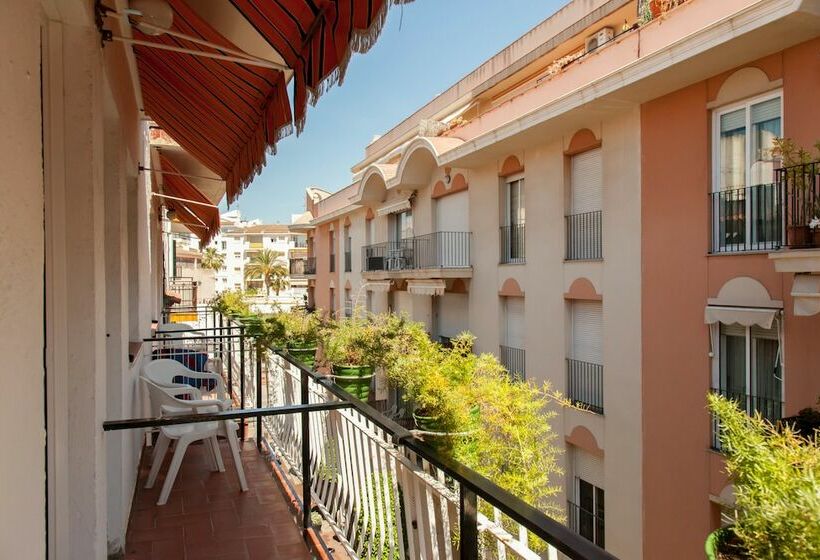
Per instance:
x=600, y=206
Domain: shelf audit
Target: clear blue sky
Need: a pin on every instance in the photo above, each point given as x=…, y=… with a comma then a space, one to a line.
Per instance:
x=425, y=47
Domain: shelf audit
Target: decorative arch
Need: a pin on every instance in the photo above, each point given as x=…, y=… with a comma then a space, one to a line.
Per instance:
x=459, y=286
x=511, y=166
x=369, y=215
x=347, y=285
x=583, y=288
x=346, y=223
x=745, y=82
x=457, y=184
x=582, y=141
x=511, y=288
x=743, y=291
x=582, y=438
x=373, y=184
x=417, y=165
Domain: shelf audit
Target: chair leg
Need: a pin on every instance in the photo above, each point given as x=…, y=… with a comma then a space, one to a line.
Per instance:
x=211, y=458
x=217, y=455
x=173, y=469
x=233, y=442
x=159, y=455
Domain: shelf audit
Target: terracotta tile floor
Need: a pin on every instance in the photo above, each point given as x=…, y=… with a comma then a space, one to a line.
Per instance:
x=208, y=517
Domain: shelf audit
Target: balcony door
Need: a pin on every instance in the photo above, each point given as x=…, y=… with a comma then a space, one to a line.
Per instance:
x=400, y=245
x=452, y=221
x=513, y=220
x=746, y=204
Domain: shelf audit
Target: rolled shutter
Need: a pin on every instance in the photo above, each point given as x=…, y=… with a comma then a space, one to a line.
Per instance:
x=586, y=182
x=514, y=319
x=588, y=467
x=587, y=331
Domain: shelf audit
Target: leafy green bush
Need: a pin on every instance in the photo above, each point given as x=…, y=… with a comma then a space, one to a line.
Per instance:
x=357, y=341
x=776, y=475
x=295, y=329
x=231, y=302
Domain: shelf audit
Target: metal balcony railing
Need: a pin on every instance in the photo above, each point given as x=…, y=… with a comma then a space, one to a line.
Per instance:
x=184, y=288
x=585, y=384
x=583, y=236
x=384, y=492
x=749, y=219
x=588, y=524
x=800, y=188
x=769, y=408
x=310, y=265
x=442, y=249
x=513, y=360
x=297, y=267
x=332, y=262
x=348, y=261
x=512, y=241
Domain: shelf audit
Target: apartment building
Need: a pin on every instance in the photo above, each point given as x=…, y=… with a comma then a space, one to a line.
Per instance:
x=600, y=206
x=240, y=241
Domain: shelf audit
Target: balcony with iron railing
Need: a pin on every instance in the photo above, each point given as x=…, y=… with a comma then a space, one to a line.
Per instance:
x=445, y=253
x=358, y=482
x=310, y=266
x=348, y=261
x=586, y=523
x=799, y=192
x=769, y=408
x=512, y=241
x=583, y=236
x=585, y=385
x=514, y=361
x=297, y=267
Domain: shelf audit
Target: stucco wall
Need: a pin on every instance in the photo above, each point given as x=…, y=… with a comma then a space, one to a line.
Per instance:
x=22, y=427
x=678, y=278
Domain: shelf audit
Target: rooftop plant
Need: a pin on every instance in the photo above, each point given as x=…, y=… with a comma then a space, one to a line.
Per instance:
x=775, y=473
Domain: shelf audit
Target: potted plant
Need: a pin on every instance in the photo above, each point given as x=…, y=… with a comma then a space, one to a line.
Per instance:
x=724, y=544
x=300, y=334
x=802, y=209
x=354, y=348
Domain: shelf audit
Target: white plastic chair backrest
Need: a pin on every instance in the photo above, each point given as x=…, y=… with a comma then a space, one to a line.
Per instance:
x=173, y=329
x=163, y=371
x=159, y=397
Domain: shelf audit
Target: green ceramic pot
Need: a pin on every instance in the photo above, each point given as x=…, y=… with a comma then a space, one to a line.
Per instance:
x=306, y=355
x=354, y=379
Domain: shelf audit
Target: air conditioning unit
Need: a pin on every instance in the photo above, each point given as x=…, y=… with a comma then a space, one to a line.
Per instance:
x=602, y=36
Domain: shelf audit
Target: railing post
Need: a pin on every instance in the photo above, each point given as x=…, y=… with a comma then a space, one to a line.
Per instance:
x=306, y=483
x=241, y=378
x=259, y=393
x=468, y=524
x=230, y=364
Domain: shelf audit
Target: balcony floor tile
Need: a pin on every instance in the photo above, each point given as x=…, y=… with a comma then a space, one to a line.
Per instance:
x=208, y=517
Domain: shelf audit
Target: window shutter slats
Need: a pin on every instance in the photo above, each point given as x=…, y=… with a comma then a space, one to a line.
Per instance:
x=514, y=322
x=586, y=182
x=587, y=331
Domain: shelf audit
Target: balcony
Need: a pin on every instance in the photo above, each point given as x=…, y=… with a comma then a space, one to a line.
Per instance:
x=586, y=523
x=444, y=254
x=585, y=385
x=749, y=219
x=769, y=408
x=512, y=242
x=298, y=268
x=332, y=263
x=800, y=188
x=324, y=470
x=513, y=360
x=348, y=261
x=583, y=236
x=182, y=288
x=310, y=266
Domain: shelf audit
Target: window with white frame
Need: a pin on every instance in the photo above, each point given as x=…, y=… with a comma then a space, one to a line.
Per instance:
x=513, y=218
x=746, y=367
x=586, y=497
x=746, y=205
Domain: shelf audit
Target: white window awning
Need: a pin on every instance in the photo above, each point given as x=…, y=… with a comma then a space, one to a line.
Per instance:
x=806, y=294
x=426, y=287
x=395, y=206
x=378, y=286
x=746, y=316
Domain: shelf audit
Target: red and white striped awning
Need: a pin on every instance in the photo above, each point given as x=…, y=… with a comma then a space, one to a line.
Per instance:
x=228, y=113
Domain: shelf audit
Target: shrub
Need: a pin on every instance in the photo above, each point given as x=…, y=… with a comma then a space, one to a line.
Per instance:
x=231, y=302
x=296, y=329
x=775, y=474
x=357, y=341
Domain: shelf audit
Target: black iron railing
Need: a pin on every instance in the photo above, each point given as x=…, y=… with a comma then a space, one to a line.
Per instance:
x=512, y=240
x=749, y=219
x=348, y=261
x=769, y=408
x=588, y=524
x=470, y=486
x=800, y=187
x=310, y=265
x=184, y=288
x=585, y=384
x=332, y=262
x=442, y=249
x=513, y=360
x=583, y=236
x=297, y=267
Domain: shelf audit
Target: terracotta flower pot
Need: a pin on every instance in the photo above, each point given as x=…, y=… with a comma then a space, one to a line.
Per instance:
x=799, y=236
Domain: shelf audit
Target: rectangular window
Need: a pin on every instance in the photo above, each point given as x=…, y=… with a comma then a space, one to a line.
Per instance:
x=747, y=369
x=402, y=226
x=512, y=354
x=348, y=303
x=332, y=302
x=583, y=221
x=585, y=370
x=746, y=204
x=348, y=247
x=332, y=241
x=590, y=512
x=513, y=221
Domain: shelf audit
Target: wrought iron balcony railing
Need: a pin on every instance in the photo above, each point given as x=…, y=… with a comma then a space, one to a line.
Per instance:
x=297, y=267
x=586, y=523
x=513, y=360
x=769, y=408
x=182, y=287
x=442, y=249
x=749, y=219
x=585, y=384
x=384, y=491
x=583, y=236
x=348, y=261
x=512, y=241
x=800, y=188
x=310, y=266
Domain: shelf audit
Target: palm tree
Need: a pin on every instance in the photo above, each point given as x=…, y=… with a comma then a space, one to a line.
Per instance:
x=212, y=259
x=267, y=266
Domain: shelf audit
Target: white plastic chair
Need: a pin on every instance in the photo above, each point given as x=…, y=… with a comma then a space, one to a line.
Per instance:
x=163, y=371
x=164, y=400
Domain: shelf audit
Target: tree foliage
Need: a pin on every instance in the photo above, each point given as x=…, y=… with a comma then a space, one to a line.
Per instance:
x=776, y=475
x=267, y=265
x=213, y=259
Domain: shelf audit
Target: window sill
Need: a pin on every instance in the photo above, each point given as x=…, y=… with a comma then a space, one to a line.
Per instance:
x=600, y=259
x=505, y=263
